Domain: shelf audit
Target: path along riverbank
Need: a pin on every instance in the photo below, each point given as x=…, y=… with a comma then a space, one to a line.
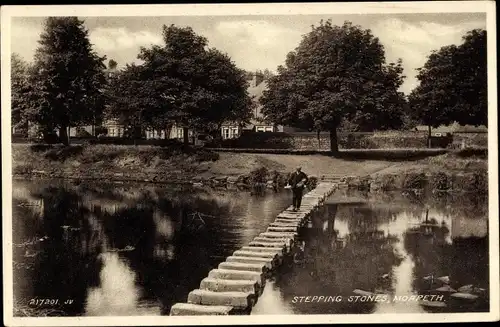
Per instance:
x=449, y=171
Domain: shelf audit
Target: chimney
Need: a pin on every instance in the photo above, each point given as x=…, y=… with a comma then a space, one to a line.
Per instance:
x=257, y=78
x=253, y=83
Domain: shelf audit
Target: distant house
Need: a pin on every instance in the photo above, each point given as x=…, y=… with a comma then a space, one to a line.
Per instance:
x=453, y=128
x=172, y=132
x=257, y=123
x=114, y=127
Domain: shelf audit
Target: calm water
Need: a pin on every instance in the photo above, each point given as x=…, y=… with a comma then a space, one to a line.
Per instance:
x=125, y=249
x=116, y=249
x=390, y=245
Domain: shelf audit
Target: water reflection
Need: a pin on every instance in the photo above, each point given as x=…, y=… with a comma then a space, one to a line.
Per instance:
x=126, y=249
x=117, y=293
x=392, y=247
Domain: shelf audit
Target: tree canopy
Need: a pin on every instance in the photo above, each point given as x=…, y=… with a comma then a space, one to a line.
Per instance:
x=453, y=84
x=184, y=83
x=67, y=79
x=336, y=73
x=19, y=86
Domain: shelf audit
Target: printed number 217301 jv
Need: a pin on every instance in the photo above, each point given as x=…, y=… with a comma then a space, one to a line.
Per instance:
x=48, y=302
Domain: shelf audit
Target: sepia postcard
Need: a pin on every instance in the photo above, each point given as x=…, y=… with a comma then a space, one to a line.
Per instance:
x=226, y=164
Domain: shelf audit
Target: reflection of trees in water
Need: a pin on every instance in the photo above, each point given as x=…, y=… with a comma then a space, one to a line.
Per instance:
x=78, y=232
x=370, y=252
x=465, y=260
x=329, y=269
x=65, y=265
x=189, y=249
x=469, y=205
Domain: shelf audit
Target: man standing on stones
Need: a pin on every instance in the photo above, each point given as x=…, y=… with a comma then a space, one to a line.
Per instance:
x=297, y=182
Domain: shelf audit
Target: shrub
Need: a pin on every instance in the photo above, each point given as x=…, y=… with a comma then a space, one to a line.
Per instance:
x=477, y=183
x=472, y=152
x=40, y=147
x=387, y=182
x=441, y=182
x=258, y=175
x=22, y=170
x=63, y=152
x=414, y=181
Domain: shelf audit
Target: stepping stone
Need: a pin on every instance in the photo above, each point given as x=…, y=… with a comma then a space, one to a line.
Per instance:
x=293, y=218
x=290, y=217
x=278, y=251
x=292, y=214
x=190, y=309
x=270, y=263
x=229, y=285
x=291, y=235
x=281, y=229
x=287, y=224
x=284, y=241
x=257, y=267
x=286, y=221
x=238, y=300
x=252, y=253
x=237, y=274
x=276, y=245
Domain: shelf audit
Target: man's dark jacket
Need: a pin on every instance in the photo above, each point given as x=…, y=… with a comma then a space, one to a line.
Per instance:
x=296, y=177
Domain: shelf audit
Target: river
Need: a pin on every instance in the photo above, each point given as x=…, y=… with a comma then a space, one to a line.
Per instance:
x=136, y=249
x=397, y=247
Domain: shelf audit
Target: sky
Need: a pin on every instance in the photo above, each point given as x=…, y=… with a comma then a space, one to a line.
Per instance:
x=260, y=42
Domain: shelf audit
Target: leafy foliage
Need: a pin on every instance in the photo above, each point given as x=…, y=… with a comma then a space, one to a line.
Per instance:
x=453, y=84
x=182, y=83
x=336, y=73
x=19, y=85
x=129, y=96
x=67, y=78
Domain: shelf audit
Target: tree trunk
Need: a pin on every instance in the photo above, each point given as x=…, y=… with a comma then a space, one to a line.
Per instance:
x=334, y=145
x=429, y=134
x=319, y=140
x=185, y=134
x=64, y=135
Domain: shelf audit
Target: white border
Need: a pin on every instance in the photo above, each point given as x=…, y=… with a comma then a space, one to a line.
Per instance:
x=487, y=7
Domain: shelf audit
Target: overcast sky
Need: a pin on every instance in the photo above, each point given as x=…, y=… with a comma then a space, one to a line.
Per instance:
x=260, y=42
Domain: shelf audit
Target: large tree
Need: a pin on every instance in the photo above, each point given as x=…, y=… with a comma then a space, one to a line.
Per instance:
x=453, y=84
x=67, y=79
x=19, y=86
x=336, y=73
x=194, y=86
x=128, y=96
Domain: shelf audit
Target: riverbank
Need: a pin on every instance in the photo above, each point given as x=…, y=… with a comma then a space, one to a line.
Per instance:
x=202, y=166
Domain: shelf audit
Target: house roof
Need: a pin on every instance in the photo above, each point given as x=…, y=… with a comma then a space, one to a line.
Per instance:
x=256, y=93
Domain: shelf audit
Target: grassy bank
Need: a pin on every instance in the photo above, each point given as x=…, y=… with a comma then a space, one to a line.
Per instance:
x=175, y=163
x=108, y=160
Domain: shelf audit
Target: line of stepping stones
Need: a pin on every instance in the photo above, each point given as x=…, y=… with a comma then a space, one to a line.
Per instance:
x=236, y=284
